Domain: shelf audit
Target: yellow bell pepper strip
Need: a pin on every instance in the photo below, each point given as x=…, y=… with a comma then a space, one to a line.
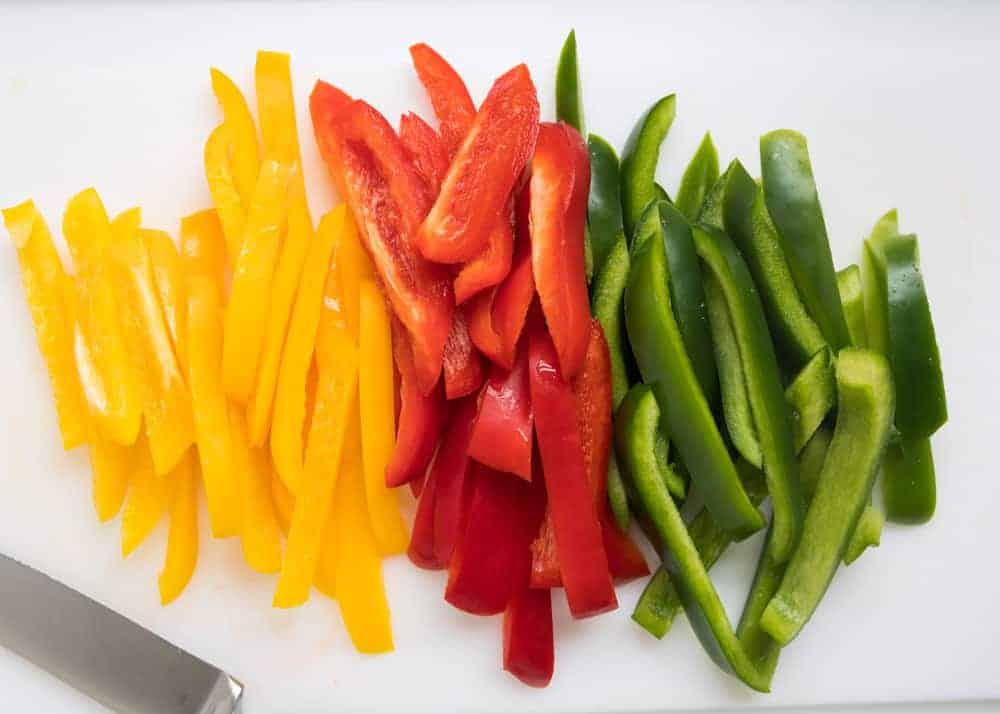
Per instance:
x=290, y=394
x=171, y=286
x=147, y=497
x=275, y=103
x=231, y=208
x=286, y=279
x=375, y=380
x=211, y=419
x=284, y=502
x=182, y=538
x=166, y=403
x=203, y=248
x=88, y=233
x=245, y=156
x=252, y=277
x=326, y=567
x=109, y=466
x=359, y=587
x=356, y=267
x=260, y=533
x=336, y=396
x=46, y=287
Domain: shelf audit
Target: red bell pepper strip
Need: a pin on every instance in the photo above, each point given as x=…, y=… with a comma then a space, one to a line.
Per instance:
x=449, y=95
x=492, y=265
x=514, y=295
x=451, y=474
x=389, y=200
x=502, y=435
x=528, y=646
x=479, y=316
x=421, y=550
x=484, y=171
x=325, y=103
x=425, y=149
x=482, y=569
x=463, y=367
x=583, y=562
x=421, y=417
x=560, y=184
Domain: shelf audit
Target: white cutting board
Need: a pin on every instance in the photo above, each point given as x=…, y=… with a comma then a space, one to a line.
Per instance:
x=899, y=103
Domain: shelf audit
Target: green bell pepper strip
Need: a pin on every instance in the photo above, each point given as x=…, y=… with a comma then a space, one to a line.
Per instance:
x=698, y=179
x=664, y=363
x=792, y=201
x=868, y=533
x=852, y=298
x=639, y=159
x=763, y=383
x=617, y=495
x=607, y=305
x=811, y=396
x=746, y=220
x=732, y=382
x=635, y=431
x=873, y=282
x=675, y=483
x=865, y=398
x=604, y=205
x=660, y=193
x=908, y=484
x=710, y=213
x=569, y=99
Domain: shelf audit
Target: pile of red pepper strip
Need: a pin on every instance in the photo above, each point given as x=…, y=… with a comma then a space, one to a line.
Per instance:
x=477, y=235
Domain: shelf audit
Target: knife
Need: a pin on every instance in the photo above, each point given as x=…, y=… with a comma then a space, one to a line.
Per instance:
x=103, y=654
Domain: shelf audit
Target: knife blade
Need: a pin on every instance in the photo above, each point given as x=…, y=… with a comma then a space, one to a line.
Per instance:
x=103, y=654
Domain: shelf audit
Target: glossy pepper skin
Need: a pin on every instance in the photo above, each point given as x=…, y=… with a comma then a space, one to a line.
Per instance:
x=425, y=149
x=635, y=435
x=451, y=471
x=502, y=436
x=639, y=159
x=604, y=205
x=659, y=350
x=481, y=177
x=699, y=177
x=462, y=366
x=560, y=183
x=569, y=100
x=448, y=94
x=793, y=203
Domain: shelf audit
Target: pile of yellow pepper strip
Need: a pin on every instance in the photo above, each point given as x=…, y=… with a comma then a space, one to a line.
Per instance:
x=251, y=356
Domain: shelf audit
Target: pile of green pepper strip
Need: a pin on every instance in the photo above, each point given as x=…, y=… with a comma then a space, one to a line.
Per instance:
x=690, y=294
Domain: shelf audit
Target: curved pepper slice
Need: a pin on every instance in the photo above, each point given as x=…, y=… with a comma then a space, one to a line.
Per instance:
x=182, y=538
x=461, y=364
x=569, y=101
x=635, y=433
x=46, y=288
x=792, y=201
x=425, y=149
x=451, y=101
x=170, y=281
x=252, y=277
x=231, y=207
x=502, y=435
x=260, y=533
x=559, y=185
x=421, y=549
x=698, y=179
x=492, y=265
x=325, y=104
x=864, y=416
x=608, y=305
x=604, y=205
x=852, y=298
x=479, y=317
x=88, y=233
x=203, y=248
x=639, y=159
x=452, y=473
x=514, y=295
x=583, y=562
x=276, y=104
x=811, y=396
x=167, y=402
x=659, y=351
x=290, y=393
x=245, y=157
x=147, y=497
x=484, y=171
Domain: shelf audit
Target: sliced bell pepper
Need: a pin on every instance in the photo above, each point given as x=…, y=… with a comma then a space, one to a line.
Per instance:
x=182, y=538
x=711, y=212
x=421, y=549
x=502, y=436
x=287, y=439
x=792, y=200
x=203, y=248
x=864, y=417
x=608, y=305
x=253, y=274
x=245, y=157
x=874, y=282
x=492, y=265
x=479, y=317
x=852, y=298
x=170, y=281
x=867, y=534
x=109, y=465
x=448, y=94
x=514, y=295
x=276, y=104
x=360, y=590
x=260, y=533
x=461, y=364
x=326, y=568
x=232, y=209
x=425, y=150
x=639, y=159
x=583, y=562
x=326, y=102
x=636, y=428
x=88, y=234
x=284, y=503
x=569, y=100
x=375, y=385
x=617, y=495
x=664, y=363
x=421, y=418
x=287, y=273
x=336, y=395
x=147, y=497
x=388, y=200
x=166, y=400
x=604, y=206
x=559, y=185
x=452, y=474
x=698, y=179
x=483, y=172
x=908, y=483
x=811, y=396
x=763, y=384
x=746, y=220
x=47, y=290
